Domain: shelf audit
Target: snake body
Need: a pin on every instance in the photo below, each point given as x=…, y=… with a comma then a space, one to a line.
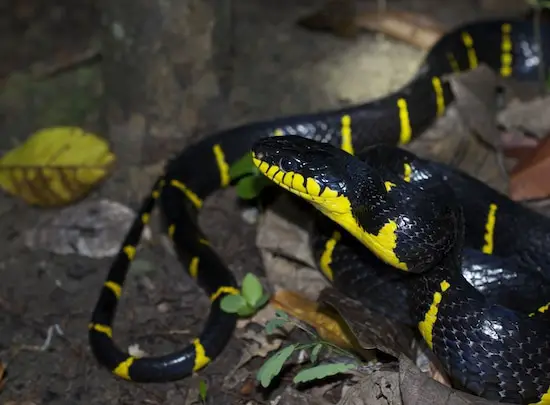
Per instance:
x=508, y=46
x=418, y=227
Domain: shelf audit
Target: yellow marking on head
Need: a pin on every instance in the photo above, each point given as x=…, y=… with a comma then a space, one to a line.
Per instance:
x=130, y=251
x=201, y=359
x=439, y=96
x=389, y=185
x=203, y=241
x=453, y=62
x=406, y=130
x=194, y=267
x=223, y=167
x=278, y=132
x=506, y=55
x=347, y=144
x=490, y=230
x=426, y=326
x=114, y=287
x=469, y=44
x=338, y=208
x=224, y=290
x=123, y=369
x=171, y=231
x=145, y=218
x=326, y=257
x=106, y=330
x=197, y=202
x=407, y=171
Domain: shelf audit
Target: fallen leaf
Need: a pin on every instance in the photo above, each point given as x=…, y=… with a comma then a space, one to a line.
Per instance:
x=379, y=388
x=258, y=343
x=476, y=101
x=283, y=240
x=326, y=322
x=370, y=329
x=56, y=166
x=417, y=388
x=529, y=178
x=341, y=18
x=412, y=28
x=91, y=228
x=292, y=396
x=517, y=145
x=528, y=115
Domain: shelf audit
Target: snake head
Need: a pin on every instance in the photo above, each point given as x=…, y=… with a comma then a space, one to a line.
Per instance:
x=404, y=225
x=317, y=172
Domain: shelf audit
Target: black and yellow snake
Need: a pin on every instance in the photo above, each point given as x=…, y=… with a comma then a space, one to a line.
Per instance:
x=507, y=46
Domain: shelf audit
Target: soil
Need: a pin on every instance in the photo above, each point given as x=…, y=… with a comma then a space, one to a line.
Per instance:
x=278, y=69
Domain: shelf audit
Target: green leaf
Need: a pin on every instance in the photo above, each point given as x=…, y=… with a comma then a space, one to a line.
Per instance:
x=274, y=324
x=262, y=301
x=273, y=365
x=251, y=186
x=246, y=311
x=322, y=371
x=202, y=390
x=281, y=314
x=252, y=289
x=315, y=352
x=242, y=167
x=232, y=303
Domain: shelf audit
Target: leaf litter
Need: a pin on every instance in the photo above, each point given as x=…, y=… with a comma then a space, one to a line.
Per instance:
x=92, y=228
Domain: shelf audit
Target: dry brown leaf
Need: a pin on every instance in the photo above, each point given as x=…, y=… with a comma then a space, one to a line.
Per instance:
x=476, y=101
x=414, y=29
x=342, y=19
x=325, y=321
x=371, y=329
x=92, y=228
x=283, y=240
x=516, y=145
x=529, y=178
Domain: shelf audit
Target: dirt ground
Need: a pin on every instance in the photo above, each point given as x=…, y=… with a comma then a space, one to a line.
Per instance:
x=297, y=71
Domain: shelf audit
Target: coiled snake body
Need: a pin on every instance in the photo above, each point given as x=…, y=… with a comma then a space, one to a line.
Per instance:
x=507, y=46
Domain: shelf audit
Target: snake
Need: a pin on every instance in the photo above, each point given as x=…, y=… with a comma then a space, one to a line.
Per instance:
x=508, y=46
x=416, y=225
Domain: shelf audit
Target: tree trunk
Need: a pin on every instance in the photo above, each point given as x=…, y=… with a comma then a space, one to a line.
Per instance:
x=165, y=73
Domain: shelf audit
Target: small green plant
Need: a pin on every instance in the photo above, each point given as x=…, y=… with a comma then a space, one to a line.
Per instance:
x=249, y=301
x=272, y=367
x=203, y=388
x=250, y=182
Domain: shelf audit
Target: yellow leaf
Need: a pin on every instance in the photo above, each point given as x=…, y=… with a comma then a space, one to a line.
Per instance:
x=326, y=322
x=56, y=166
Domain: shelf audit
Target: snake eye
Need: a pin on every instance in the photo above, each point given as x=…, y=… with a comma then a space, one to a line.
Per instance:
x=287, y=165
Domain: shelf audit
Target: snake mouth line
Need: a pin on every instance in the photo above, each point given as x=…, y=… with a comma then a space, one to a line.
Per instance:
x=322, y=197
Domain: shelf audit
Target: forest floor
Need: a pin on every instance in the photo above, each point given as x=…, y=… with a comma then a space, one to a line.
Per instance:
x=278, y=69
